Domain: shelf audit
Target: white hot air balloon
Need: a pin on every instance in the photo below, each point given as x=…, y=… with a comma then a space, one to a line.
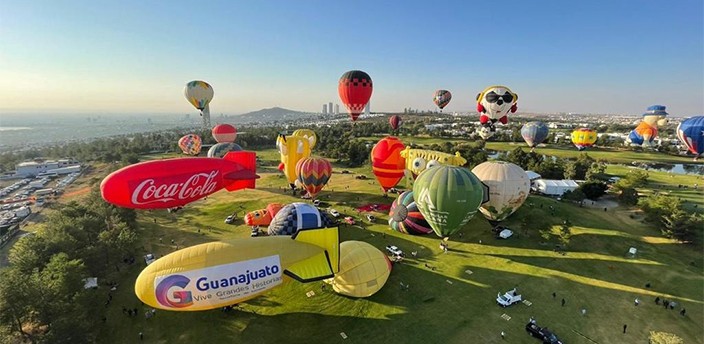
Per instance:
x=509, y=187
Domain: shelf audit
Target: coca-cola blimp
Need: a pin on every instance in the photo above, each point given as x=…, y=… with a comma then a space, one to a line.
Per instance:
x=219, y=274
x=175, y=182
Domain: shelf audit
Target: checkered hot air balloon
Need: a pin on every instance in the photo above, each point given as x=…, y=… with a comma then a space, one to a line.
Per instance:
x=190, y=144
x=313, y=174
x=355, y=89
x=296, y=216
x=405, y=217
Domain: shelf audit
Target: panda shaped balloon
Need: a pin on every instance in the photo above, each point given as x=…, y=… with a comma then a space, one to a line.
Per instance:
x=494, y=104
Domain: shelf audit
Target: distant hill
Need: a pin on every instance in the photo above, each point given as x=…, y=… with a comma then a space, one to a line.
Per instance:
x=275, y=114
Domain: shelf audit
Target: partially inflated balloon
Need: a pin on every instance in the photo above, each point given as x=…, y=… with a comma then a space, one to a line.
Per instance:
x=296, y=216
x=199, y=93
x=308, y=134
x=691, y=133
x=313, y=174
x=363, y=270
x=355, y=89
x=583, y=138
x=292, y=149
x=441, y=98
x=508, y=188
x=395, y=122
x=387, y=163
x=417, y=160
x=219, y=150
x=448, y=197
x=405, y=217
x=224, y=133
x=534, y=133
x=190, y=144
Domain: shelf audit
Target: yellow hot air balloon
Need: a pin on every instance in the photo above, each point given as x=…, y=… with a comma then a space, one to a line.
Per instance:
x=418, y=160
x=363, y=270
x=509, y=187
x=583, y=138
x=292, y=149
x=307, y=133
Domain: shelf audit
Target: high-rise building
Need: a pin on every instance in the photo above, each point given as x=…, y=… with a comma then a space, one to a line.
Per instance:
x=325, y=109
x=330, y=107
x=337, y=109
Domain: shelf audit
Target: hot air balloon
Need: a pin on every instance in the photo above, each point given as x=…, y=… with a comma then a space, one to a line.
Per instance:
x=441, y=98
x=417, y=160
x=583, y=138
x=292, y=149
x=224, y=133
x=190, y=144
x=199, y=93
x=405, y=217
x=313, y=174
x=387, y=163
x=534, y=133
x=355, y=89
x=219, y=150
x=647, y=130
x=395, y=122
x=363, y=270
x=296, y=216
x=509, y=187
x=494, y=104
x=262, y=217
x=308, y=134
x=691, y=133
x=448, y=197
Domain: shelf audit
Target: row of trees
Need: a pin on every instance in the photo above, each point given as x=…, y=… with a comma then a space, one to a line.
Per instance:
x=42, y=294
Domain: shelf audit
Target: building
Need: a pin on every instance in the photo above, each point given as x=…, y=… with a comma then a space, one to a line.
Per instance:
x=337, y=109
x=325, y=109
x=554, y=187
x=34, y=168
x=330, y=108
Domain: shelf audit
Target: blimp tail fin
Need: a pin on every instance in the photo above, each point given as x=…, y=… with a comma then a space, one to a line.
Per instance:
x=245, y=177
x=320, y=266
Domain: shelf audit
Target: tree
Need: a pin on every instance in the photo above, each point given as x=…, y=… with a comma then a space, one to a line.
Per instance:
x=628, y=196
x=671, y=218
x=633, y=179
x=577, y=169
x=549, y=169
x=593, y=189
x=575, y=195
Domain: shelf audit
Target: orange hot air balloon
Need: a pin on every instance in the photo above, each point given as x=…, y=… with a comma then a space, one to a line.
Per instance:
x=262, y=217
x=355, y=89
x=313, y=174
x=387, y=163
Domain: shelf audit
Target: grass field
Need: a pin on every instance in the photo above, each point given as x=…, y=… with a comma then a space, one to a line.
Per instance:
x=448, y=305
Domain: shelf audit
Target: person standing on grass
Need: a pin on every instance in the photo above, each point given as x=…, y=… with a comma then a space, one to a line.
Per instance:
x=636, y=301
x=624, y=328
x=503, y=335
x=563, y=302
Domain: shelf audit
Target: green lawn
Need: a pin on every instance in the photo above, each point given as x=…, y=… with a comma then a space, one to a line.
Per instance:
x=447, y=305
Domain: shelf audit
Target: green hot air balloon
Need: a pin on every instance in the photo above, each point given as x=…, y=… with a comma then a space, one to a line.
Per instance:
x=448, y=197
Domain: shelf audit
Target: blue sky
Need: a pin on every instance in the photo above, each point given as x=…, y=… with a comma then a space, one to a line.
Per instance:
x=135, y=56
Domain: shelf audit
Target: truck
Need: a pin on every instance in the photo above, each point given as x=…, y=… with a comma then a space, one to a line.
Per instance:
x=509, y=298
x=22, y=212
x=42, y=192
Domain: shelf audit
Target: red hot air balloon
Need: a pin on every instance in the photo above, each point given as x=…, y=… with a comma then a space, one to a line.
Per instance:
x=395, y=122
x=224, y=133
x=313, y=174
x=355, y=89
x=387, y=163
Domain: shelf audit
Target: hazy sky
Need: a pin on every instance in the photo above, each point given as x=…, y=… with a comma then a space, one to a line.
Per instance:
x=615, y=56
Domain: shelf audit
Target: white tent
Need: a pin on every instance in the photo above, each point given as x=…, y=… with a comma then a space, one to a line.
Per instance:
x=555, y=187
x=90, y=282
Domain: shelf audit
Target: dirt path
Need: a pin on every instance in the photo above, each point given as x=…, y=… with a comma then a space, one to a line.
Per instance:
x=78, y=192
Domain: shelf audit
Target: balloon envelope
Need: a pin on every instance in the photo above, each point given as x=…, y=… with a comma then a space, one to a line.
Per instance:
x=387, y=163
x=199, y=93
x=224, y=133
x=313, y=174
x=405, y=217
x=448, y=197
x=190, y=144
x=534, y=133
x=395, y=122
x=292, y=149
x=355, y=89
x=583, y=138
x=296, y=216
x=441, y=98
x=363, y=270
x=308, y=134
x=219, y=150
x=691, y=134
x=509, y=187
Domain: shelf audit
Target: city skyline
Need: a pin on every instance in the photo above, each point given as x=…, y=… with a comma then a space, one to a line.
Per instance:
x=135, y=57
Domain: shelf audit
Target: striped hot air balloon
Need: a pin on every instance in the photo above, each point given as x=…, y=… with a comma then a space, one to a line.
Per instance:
x=190, y=144
x=405, y=217
x=387, y=163
x=355, y=89
x=691, y=133
x=313, y=174
x=583, y=138
x=224, y=133
x=395, y=122
x=441, y=98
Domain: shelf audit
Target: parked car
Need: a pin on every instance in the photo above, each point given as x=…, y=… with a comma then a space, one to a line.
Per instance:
x=316, y=202
x=542, y=333
x=229, y=219
x=255, y=231
x=345, y=171
x=334, y=212
x=505, y=234
x=509, y=298
x=149, y=258
x=395, y=251
x=349, y=220
x=371, y=218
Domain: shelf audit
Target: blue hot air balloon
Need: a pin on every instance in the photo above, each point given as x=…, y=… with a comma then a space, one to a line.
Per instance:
x=691, y=133
x=534, y=133
x=296, y=216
